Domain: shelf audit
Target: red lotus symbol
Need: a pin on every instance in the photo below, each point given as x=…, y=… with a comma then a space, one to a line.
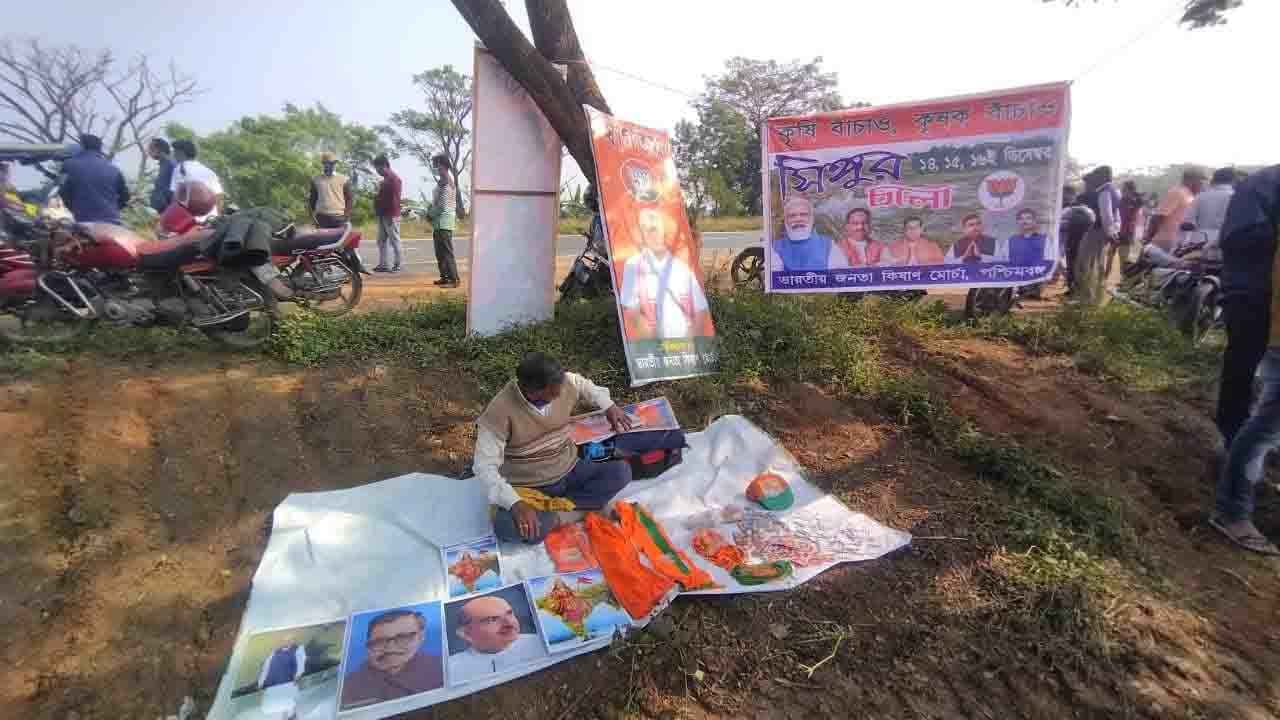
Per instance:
x=1001, y=188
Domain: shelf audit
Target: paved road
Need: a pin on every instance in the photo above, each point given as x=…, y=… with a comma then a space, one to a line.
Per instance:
x=420, y=251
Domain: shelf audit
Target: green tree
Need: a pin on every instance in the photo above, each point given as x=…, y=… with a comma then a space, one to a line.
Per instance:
x=270, y=160
x=442, y=127
x=737, y=102
x=1196, y=14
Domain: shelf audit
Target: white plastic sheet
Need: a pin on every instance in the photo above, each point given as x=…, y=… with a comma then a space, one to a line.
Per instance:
x=335, y=553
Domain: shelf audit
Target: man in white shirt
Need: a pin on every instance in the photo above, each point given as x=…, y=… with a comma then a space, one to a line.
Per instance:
x=189, y=170
x=1209, y=212
x=495, y=644
x=661, y=297
x=522, y=439
x=279, y=680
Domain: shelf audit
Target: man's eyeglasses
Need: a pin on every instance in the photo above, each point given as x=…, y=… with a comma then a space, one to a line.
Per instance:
x=402, y=640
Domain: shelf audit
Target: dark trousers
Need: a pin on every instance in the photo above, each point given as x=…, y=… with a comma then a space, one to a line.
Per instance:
x=1072, y=248
x=444, y=255
x=1248, y=323
x=590, y=485
x=330, y=221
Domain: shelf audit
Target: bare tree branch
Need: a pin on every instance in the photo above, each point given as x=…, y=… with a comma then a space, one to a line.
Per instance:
x=52, y=94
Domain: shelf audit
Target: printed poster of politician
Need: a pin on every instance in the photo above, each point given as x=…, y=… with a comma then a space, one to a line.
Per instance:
x=393, y=654
x=662, y=303
x=959, y=192
x=289, y=673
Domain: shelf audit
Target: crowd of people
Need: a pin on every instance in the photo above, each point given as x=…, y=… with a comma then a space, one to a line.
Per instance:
x=93, y=189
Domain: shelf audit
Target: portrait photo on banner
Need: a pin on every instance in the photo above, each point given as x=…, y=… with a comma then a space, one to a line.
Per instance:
x=491, y=633
x=290, y=672
x=392, y=654
x=912, y=199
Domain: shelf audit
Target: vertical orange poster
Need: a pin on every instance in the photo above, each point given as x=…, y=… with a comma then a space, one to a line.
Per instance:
x=657, y=274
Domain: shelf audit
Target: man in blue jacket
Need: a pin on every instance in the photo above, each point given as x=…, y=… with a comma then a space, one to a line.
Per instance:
x=94, y=189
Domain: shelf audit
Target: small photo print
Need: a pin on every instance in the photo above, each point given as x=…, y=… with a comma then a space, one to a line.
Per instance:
x=289, y=673
x=393, y=654
x=473, y=566
x=491, y=634
x=575, y=608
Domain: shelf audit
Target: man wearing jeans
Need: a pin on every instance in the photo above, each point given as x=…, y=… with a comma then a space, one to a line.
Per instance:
x=1248, y=243
x=522, y=439
x=441, y=214
x=386, y=204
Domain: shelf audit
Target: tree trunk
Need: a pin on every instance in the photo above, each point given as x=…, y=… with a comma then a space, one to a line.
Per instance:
x=535, y=73
x=555, y=38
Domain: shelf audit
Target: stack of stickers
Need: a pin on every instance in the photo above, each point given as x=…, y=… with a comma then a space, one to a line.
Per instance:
x=483, y=629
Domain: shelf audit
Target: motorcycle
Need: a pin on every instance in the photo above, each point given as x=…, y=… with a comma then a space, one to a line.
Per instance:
x=58, y=277
x=1189, y=288
x=321, y=267
x=590, y=276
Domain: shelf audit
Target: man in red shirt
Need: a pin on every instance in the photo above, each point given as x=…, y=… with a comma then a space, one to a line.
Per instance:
x=386, y=204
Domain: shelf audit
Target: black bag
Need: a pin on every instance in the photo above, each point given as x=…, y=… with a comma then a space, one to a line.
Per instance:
x=650, y=453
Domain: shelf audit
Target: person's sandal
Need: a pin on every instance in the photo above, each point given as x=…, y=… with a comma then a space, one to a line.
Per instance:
x=1251, y=541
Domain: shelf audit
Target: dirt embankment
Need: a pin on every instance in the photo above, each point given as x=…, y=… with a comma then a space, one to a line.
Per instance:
x=136, y=501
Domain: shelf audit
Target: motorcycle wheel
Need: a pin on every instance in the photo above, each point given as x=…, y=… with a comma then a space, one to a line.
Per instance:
x=748, y=268
x=1203, y=312
x=985, y=302
x=41, y=322
x=261, y=323
x=347, y=298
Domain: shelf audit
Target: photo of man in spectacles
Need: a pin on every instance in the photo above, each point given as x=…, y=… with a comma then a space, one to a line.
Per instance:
x=491, y=633
x=402, y=652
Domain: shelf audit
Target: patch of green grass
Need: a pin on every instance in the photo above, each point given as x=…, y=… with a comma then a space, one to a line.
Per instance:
x=1048, y=510
x=21, y=362
x=1134, y=345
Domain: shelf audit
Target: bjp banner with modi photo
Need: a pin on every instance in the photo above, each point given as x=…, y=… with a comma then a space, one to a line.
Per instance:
x=958, y=192
x=657, y=272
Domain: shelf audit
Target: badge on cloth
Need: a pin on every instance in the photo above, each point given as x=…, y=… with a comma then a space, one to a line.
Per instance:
x=771, y=491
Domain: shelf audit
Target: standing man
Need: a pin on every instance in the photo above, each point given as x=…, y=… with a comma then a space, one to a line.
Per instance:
x=1074, y=221
x=1166, y=223
x=189, y=170
x=161, y=194
x=1130, y=224
x=279, y=679
x=661, y=297
x=522, y=439
x=1104, y=200
x=443, y=220
x=1209, y=211
x=386, y=205
x=1249, y=274
x=93, y=189
x=330, y=201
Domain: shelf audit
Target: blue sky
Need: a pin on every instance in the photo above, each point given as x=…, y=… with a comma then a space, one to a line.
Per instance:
x=1170, y=96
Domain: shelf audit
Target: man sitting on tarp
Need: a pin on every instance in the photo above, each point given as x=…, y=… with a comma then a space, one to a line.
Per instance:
x=522, y=440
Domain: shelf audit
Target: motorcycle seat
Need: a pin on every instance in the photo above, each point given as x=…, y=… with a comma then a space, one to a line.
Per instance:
x=162, y=255
x=303, y=241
